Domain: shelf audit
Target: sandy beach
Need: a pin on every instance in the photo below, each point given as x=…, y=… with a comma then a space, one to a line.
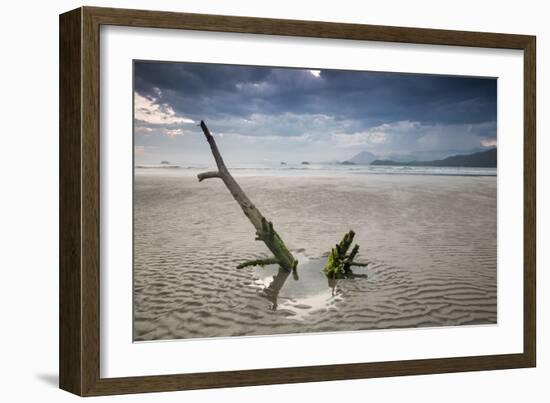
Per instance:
x=430, y=241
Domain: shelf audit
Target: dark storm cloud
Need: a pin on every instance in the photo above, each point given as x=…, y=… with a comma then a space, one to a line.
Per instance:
x=202, y=91
x=422, y=98
x=282, y=114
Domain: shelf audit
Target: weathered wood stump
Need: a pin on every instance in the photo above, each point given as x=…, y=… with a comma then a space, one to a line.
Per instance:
x=339, y=263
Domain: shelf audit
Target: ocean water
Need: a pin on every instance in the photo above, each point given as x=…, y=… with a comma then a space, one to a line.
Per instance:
x=316, y=170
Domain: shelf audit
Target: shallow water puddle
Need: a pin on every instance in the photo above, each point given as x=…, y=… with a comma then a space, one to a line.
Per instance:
x=300, y=297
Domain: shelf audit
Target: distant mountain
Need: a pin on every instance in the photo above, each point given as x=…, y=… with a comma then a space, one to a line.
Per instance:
x=483, y=159
x=431, y=155
x=363, y=158
x=407, y=157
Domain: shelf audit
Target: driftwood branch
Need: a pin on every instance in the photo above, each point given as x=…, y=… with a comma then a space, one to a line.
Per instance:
x=208, y=175
x=258, y=262
x=264, y=228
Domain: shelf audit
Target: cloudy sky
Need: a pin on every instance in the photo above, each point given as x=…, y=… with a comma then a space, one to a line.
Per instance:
x=268, y=115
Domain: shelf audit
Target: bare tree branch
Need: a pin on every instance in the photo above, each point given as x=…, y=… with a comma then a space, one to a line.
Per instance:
x=264, y=229
x=208, y=175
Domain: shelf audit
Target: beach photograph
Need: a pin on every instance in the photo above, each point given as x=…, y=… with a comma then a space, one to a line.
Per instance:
x=274, y=200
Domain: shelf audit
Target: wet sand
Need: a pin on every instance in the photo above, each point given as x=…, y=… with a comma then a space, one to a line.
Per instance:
x=430, y=241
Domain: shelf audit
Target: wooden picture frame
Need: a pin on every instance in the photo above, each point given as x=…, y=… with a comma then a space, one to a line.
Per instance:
x=79, y=348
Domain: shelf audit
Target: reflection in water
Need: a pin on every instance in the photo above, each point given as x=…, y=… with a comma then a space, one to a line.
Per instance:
x=333, y=282
x=311, y=292
x=271, y=292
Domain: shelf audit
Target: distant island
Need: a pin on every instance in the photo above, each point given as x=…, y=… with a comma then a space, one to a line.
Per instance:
x=305, y=163
x=363, y=158
x=483, y=159
x=347, y=163
x=161, y=166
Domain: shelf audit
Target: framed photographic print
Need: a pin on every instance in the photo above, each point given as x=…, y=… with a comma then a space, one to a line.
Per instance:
x=250, y=201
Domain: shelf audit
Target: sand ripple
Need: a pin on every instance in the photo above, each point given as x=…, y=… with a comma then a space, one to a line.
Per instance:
x=431, y=241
